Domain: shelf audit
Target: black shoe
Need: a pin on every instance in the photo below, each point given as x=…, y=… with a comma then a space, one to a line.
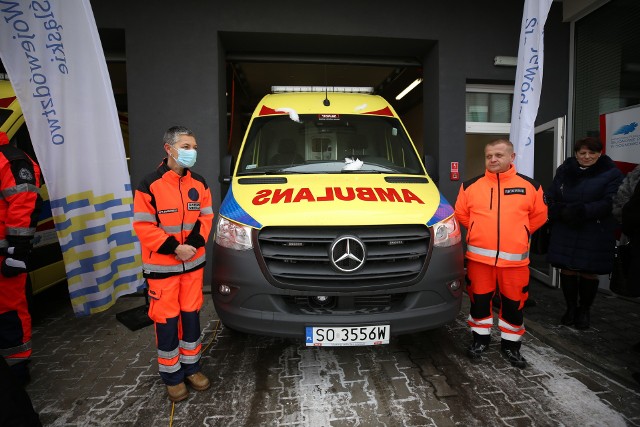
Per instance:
x=514, y=357
x=476, y=349
x=583, y=318
x=569, y=317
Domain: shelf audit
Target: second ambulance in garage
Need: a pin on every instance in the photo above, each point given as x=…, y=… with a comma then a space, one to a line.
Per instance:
x=332, y=231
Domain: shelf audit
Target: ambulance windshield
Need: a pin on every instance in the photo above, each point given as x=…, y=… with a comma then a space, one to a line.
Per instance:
x=328, y=143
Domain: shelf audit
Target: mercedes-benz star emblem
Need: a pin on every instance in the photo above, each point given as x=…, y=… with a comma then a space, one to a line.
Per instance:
x=347, y=254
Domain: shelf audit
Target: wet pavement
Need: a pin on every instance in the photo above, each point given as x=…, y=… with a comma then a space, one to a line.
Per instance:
x=607, y=346
x=93, y=371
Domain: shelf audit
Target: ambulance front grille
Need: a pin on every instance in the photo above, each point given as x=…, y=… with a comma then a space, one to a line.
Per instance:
x=299, y=257
x=359, y=304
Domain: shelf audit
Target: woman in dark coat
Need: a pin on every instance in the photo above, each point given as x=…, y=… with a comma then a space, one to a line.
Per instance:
x=582, y=241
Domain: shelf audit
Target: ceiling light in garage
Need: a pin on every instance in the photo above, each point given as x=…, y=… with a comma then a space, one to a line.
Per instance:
x=408, y=89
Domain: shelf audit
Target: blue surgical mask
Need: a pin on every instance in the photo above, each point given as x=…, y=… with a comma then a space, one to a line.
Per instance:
x=186, y=158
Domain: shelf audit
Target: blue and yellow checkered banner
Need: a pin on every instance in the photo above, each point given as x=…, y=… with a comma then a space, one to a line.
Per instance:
x=101, y=252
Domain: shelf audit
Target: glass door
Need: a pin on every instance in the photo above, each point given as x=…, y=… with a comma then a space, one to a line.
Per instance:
x=549, y=153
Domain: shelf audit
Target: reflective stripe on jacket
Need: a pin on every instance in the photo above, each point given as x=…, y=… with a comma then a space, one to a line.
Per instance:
x=500, y=212
x=170, y=210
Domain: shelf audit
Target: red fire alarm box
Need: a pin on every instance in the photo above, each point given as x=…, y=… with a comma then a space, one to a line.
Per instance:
x=454, y=175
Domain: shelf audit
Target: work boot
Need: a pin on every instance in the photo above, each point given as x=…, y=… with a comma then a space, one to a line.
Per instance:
x=198, y=381
x=478, y=346
x=569, y=285
x=588, y=289
x=177, y=392
x=514, y=357
x=476, y=349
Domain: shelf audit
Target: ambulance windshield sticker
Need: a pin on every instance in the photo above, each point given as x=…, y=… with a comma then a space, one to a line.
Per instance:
x=251, y=166
x=328, y=116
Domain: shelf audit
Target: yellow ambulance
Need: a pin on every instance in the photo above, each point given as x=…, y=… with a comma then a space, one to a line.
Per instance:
x=331, y=230
x=46, y=267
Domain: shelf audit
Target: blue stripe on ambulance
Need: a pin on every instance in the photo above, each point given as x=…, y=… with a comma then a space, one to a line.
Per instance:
x=443, y=212
x=232, y=210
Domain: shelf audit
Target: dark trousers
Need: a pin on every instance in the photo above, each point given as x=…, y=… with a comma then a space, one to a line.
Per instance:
x=16, y=409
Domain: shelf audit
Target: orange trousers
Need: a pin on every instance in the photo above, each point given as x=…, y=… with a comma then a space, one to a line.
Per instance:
x=512, y=283
x=174, y=306
x=15, y=320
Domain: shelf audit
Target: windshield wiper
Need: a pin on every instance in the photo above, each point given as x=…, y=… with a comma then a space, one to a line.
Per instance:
x=272, y=172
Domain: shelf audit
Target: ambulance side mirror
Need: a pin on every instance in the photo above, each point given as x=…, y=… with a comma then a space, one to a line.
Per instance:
x=432, y=167
x=226, y=170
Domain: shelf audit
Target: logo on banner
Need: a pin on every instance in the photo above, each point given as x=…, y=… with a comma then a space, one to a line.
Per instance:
x=626, y=129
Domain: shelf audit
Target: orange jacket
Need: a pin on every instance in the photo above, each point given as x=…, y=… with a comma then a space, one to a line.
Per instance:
x=169, y=210
x=500, y=212
x=19, y=197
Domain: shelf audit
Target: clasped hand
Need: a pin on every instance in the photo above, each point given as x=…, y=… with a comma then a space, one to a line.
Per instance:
x=185, y=252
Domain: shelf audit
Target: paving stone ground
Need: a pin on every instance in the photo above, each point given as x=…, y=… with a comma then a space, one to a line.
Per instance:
x=93, y=371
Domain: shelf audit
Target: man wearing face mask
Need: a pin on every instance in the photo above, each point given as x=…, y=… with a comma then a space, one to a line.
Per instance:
x=173, y=216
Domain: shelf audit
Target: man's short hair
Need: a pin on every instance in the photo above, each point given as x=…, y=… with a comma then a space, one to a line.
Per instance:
x=174, y=133
x=500, y=141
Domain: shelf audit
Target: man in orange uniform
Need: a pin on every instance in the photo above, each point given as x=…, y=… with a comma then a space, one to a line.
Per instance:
x=19, y=209
x=173, y=217
x=500, y=210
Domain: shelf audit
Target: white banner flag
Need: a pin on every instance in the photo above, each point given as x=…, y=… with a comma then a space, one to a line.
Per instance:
x=526, y=92
x=54, y=58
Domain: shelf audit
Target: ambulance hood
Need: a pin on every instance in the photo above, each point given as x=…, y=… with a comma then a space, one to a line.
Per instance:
x=317, y=200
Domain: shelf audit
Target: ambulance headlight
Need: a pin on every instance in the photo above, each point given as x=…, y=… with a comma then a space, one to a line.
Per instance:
x=233, y=235
x=446, y=233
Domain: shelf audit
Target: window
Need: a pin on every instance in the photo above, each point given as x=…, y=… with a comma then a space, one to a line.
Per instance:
x=488, y=108
x=607, y=64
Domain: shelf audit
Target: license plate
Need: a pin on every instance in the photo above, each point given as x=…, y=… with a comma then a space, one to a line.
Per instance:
x=347, y=335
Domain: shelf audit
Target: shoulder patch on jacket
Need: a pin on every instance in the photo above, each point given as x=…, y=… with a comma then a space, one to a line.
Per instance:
x=531, y=181
x=12, y=153
x=145, y=184
x=200, y=178
x=25, y=175
x=467, y=183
